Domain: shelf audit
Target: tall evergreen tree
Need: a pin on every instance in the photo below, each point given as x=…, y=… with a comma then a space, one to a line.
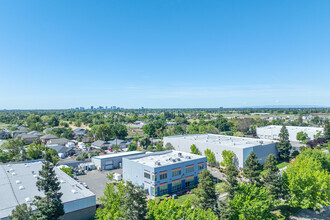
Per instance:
x=49, y=207
x=252, y=169
x=205, y=191
x=135, y=203
x=284, y=145
x=231, y=180
x=271, y=177
x=327, y=131
x=21, y=212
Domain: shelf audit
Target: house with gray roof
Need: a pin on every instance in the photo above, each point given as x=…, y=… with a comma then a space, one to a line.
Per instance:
x=47, y=137
x=61, y=150
x=79, y=132
x=60, y=141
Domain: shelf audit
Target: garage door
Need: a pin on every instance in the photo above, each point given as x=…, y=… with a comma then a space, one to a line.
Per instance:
x=108, y=167
x=108, y=162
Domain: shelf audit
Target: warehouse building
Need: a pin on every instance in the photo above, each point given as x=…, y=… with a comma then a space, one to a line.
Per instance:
x=112, y=161
x=272, y=132
x=18, y=186
x=164, y=172
x=241, y=146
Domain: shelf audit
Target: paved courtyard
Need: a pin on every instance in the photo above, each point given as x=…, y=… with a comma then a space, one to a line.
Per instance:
x=96, y=180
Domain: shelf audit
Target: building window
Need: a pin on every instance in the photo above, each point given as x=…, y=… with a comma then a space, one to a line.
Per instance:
x=176, y=173
x=154, y=177
x=163, y=189
x=200, y=166
x=163, y=176
x=146, y=175
x=189, y=182
x=177, y=186
x=154, y=191
x=190, y=169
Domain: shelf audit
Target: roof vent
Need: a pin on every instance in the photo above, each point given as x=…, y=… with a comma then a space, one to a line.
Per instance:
x=180, y=154
x=26, y=165
x=18, y=182
x=188, y=157
x=178, y=159
x=11, y=170
x=27, y=199
x=74, y=191
x=62, y=181
x=157, y=163
x=8, y=165
x=13, y=173
x=21, y=187
x=35, y=176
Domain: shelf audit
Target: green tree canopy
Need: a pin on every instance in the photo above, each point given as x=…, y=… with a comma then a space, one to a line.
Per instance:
x=252, y=169
x=210, y=157
x=231, y=180
x=227, y=158
x=271, y=177
x=301, y=136
x=171, y=210
x=194, y=149
x=252, y=202
x=21, y=212
x=49, y=207
x=205, y=191
x=307, y=182
x=284, y=145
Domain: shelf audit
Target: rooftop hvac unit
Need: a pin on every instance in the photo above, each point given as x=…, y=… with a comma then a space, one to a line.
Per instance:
x=74, y=191
x=21, y=187
x=180, y=154
x=178, y=159
x=157, y=163
x=27, y=199
x=188, y=157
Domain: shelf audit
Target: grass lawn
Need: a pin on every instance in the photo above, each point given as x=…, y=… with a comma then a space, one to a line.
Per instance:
x=282, y=165
x=220, y=188
x=279, y=166
x=182, y=199
x=3, y=124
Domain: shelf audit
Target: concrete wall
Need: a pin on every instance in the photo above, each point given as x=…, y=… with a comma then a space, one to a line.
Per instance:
x=116, y=161
x=272, y=132
x=83, y=214
x=182, y=144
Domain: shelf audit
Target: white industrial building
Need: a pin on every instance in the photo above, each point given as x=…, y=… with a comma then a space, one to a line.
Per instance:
x=272, y=132
x=113, y=160
x=18, y=186
x=241, y=146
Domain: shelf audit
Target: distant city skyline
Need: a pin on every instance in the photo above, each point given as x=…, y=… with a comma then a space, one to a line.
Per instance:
x=164, y=54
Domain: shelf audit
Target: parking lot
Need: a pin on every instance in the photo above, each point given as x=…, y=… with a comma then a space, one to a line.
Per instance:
x=96, y=180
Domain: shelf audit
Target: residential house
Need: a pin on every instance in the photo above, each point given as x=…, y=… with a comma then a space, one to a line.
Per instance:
x=44, y=139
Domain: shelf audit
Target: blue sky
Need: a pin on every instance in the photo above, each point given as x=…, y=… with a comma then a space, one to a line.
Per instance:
x=163, y=53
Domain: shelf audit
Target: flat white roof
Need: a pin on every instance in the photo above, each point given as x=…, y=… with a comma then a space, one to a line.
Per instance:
x=223, y=140
x=121, y=154
x=18, y=184
x=293, y=128
x=164, y=158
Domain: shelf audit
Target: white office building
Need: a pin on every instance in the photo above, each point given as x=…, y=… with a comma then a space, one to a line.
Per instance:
x=272, y=132
x=18, y=186
x=241, y=146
